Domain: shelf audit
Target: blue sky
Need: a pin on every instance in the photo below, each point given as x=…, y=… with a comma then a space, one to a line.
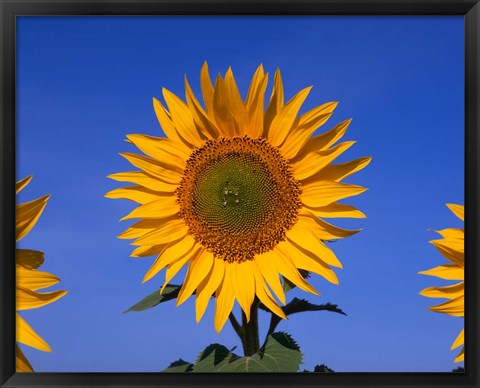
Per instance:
x=83, y=83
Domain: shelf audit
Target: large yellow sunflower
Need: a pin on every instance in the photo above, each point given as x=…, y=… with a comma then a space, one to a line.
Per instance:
x=452, y=247
x=29, y=279
x=238, y=193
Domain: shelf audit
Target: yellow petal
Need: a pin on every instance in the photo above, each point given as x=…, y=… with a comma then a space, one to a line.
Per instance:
x=456, y=245
x=27, y=336
x=461, y=356
x=27, y=299
x=255, y=87
x=148, y=250
x=294, y=149
x=300, y=134
x=458, y=210
x=145, y=180
x=315, y=117
x=449, y=292
x=322, y=229
x=200, y=117
x=175, y=266
x=141, y=228
x=161, y=149
x=29, y=258
x=306, y=260
x=224, y=118
x=454, y=307
x=447, y=271
x=170, y=231
x=265, y=296
x=289, y=271
x=456, y=234
x=225, y=300
x=244, y=285
x=21, y=362
x=162, y=207
x=315, y=161
x=337, y=172
x=452, y=250
x=22, y=183
x=172, y=252
x=303, y=237
x=283, y=121
x=275, y=103
x=337, y=210
x=324, y=193
x=27, y=215
x=197, y=271
x=459, y=340
x=207, y=89
x=33, y=279
x=166, y=123
x=136, y=194
x=235, y=103
x=182, y=119
x=266, y=264
x=152, y=167
x=208, y=286
x=256, y=110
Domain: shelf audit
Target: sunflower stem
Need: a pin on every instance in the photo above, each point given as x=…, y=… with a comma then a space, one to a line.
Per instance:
x=238, y=329
x=252, y=340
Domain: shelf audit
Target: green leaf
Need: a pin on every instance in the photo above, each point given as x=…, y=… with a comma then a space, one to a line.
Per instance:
x=213, y=358
x=179, y=366
x=244, y=364
x=170, y=292
x=297, y=306
x=282, y=353
x=279, y=354
x=322, y=369
x=300, y=305
x=319, y=369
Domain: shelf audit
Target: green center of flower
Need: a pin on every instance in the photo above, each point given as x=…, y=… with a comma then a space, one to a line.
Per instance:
x=234, y=193
x=238, y=197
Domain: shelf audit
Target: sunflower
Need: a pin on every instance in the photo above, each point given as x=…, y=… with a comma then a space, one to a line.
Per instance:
x=237, y=192
x=452, y=247
x=29, y=280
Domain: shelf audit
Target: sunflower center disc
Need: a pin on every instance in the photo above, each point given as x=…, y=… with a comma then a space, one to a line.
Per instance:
x=238, y=197
x=234, y=193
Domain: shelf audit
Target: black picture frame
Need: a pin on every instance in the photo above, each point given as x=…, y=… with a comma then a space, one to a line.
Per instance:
x=10, y=9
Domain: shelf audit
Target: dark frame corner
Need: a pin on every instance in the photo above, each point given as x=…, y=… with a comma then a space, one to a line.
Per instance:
x=9, y=9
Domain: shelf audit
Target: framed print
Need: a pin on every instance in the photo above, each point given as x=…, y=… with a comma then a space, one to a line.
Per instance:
x=296, y=185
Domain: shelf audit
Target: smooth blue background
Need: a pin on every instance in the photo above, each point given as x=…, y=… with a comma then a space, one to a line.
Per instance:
x=83, y=83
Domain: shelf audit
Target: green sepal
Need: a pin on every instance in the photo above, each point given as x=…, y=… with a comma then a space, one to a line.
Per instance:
x=288, y=285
